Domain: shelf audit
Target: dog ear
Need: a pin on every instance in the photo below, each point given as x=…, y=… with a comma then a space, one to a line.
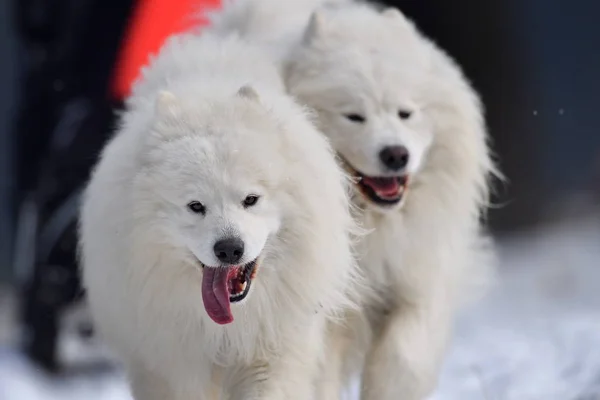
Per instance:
x=168, y=117
x=166, y=104
x=248, y=92
x=315, y=27
x=393, y=14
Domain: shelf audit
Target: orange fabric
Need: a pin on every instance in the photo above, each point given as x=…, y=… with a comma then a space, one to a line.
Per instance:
x=152, y=22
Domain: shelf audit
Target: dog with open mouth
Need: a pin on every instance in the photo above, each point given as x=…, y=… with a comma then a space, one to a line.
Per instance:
x=410, y=130
x=211, y=265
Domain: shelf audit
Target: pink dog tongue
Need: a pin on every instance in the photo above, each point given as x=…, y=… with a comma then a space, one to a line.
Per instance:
x=383, y=186
x=215, y=295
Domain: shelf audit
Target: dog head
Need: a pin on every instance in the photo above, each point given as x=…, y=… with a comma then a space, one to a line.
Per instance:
x=363, y=72
x=247, y=184
x=217, y=199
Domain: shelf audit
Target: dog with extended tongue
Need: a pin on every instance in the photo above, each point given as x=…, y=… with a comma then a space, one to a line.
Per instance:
x=211, y=193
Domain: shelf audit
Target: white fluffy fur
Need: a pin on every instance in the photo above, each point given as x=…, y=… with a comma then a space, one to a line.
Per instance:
x=355, y=58
x=190, y=133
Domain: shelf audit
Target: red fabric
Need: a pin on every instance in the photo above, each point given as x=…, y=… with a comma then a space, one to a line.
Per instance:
x=152, y=22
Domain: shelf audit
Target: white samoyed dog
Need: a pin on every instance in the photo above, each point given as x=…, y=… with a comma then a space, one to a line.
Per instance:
x=215, y=231
x=406, y=123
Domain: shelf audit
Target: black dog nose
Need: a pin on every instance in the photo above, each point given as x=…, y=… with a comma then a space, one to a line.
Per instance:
x=229, y=250
x=394, y=157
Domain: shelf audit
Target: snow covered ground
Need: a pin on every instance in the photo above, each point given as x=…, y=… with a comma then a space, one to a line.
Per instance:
x=536, y=336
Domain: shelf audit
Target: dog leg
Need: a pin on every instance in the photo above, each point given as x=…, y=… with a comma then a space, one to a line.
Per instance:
x=332, y=375
x=279, y=381
x=290, y=376
x=146, y=385
x=404, y=360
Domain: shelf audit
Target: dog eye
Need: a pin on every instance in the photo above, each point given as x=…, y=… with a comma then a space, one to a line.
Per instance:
x=404, y=114
x=197, y=207
x=250, y=200
x=359, y=119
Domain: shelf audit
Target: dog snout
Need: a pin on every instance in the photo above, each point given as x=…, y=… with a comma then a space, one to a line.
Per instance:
x=229, y=250
x=394, y=158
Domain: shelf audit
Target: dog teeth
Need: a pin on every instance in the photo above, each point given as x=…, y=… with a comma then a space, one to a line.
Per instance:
x=241, y=289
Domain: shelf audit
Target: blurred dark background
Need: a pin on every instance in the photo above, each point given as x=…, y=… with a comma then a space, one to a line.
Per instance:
x=535, y=63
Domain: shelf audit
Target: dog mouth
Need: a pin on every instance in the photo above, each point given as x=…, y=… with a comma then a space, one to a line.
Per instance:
x=224, y=285
x=387, y=191
x=384, y=191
